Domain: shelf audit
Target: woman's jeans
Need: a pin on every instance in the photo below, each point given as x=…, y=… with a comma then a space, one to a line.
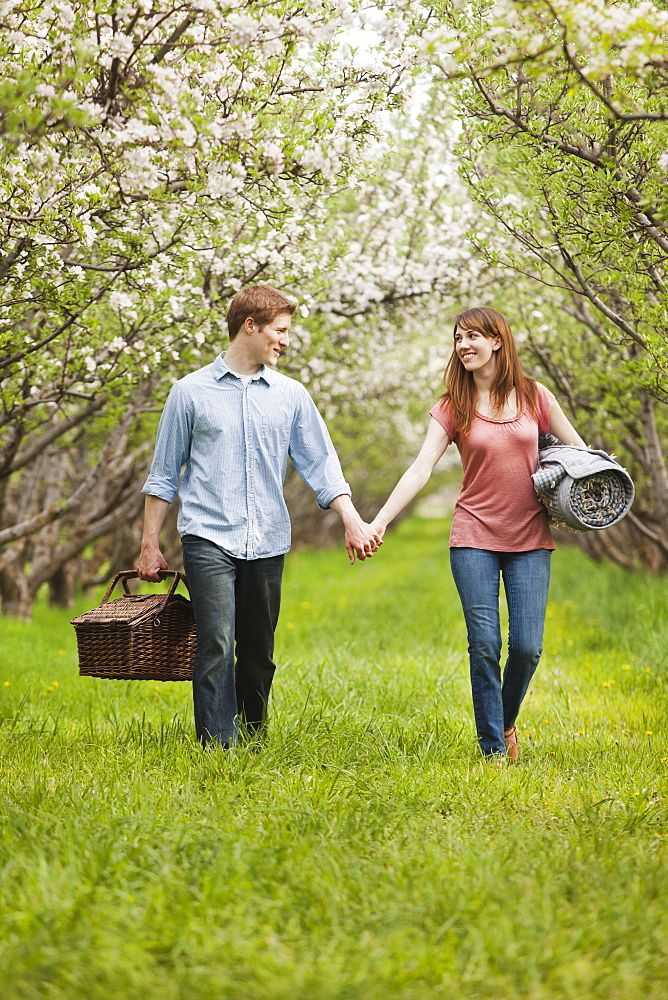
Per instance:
x=233, y=600
x=526, y=578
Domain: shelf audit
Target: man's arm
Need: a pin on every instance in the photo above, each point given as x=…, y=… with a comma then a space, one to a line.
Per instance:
x=360, y=539
x=316, y=461
x=172, y=448
x=151, y=559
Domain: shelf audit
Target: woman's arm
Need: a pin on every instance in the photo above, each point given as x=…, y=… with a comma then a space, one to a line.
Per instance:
x=415, y=477
x=562, y=428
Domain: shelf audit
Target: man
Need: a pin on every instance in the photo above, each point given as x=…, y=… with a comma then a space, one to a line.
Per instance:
x=232, y=425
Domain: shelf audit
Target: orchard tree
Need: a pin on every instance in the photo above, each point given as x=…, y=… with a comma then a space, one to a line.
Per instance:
x=564, y=145
x=154, y=158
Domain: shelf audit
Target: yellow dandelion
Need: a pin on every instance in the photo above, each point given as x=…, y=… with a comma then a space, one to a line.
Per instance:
x=586, y=663
x=305, y=604
x=627, y=666
x=7, y=684
x=649, y=732
x=607, y=684
x=647, y=670
x=289, y=625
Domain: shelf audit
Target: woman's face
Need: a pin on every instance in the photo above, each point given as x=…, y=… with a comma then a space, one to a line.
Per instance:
x=475, y=350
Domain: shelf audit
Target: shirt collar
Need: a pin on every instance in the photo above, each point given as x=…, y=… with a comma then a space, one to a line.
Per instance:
x=221, y=368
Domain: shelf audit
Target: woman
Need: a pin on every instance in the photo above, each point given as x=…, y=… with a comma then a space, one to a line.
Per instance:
x=493, y=413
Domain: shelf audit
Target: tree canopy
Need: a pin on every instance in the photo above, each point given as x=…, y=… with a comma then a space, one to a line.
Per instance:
x=564, y=139
x=386, y=163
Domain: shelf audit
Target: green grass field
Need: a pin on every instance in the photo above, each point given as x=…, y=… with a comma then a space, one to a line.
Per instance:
x=365, y=851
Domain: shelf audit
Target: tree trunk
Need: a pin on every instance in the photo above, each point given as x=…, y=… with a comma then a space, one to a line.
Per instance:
x=62, y=585
x=17, y=601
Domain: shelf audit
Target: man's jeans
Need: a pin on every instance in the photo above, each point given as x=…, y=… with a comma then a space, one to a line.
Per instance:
x=233, y=599
x=526, y=578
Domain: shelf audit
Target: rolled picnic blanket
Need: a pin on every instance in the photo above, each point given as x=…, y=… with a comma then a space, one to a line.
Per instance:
x=582, y=488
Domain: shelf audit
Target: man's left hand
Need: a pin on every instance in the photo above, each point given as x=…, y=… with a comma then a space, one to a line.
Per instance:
x=361, y=540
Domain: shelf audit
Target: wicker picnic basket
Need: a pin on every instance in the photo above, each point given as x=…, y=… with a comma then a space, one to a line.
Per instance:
x=138, y=636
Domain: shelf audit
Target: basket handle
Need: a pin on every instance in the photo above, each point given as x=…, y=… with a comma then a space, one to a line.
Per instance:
x=131, y=574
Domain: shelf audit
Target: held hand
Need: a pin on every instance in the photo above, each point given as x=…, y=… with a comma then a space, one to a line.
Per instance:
x=379, y=527
x=361, y=540
x=151, y=561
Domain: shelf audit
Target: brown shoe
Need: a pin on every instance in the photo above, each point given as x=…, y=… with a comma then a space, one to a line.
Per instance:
x=512, y=746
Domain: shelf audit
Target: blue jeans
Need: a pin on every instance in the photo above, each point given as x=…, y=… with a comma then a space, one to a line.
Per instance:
x=526, y=579
x=234, y=600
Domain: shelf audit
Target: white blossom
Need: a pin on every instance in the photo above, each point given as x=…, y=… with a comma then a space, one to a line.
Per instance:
x=120, y=46
x=122, y=302
x=89, y=234
x=243, y=30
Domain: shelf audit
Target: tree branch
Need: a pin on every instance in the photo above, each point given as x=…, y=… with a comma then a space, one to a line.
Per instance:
x=54, y=432
x=173, y=38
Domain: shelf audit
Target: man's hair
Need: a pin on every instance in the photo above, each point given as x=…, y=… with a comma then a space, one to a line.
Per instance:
x=262, y=303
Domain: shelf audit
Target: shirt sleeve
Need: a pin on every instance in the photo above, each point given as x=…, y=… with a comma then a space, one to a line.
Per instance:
x=172, y=446
x=544, y=402
x=442, y=412
x=313, y=454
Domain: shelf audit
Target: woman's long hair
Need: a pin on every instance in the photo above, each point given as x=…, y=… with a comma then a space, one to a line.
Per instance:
x=460, y=387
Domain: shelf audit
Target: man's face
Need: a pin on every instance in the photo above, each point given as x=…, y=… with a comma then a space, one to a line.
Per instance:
x=267, y=342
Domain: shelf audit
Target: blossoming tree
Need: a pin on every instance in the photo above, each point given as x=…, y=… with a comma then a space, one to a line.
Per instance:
x=564, y=110
x=155, y=157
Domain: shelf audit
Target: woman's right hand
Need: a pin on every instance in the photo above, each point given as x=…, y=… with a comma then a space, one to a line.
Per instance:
x=378, y=526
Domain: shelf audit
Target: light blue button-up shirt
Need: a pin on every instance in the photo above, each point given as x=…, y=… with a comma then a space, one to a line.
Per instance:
x=234, y=441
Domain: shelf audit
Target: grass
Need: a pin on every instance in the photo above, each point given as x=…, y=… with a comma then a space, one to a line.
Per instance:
x=365, y=851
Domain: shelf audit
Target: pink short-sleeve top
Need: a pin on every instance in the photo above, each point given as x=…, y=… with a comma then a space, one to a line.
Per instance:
x=498, y=508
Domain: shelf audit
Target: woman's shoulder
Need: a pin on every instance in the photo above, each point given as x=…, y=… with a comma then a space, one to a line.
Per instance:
x=542, y=390
x=443, y=412
x=444, y=404
x=537, y=395
x=443, y=409
x=544, y=402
